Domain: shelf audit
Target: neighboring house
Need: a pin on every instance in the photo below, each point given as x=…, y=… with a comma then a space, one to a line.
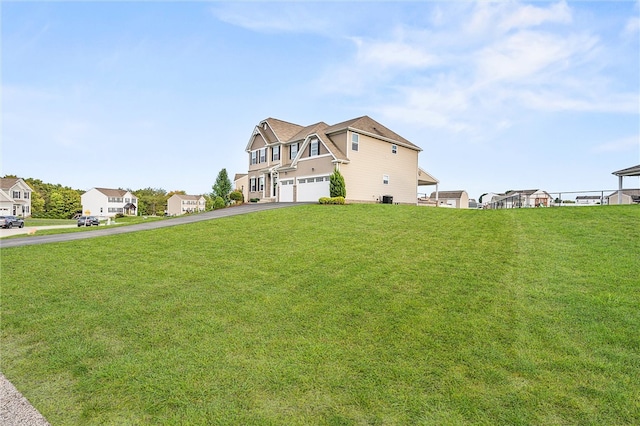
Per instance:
x=15, y=197
x=179, y=204
x=590, y=200
x=292, y=163
x=241, y=183
x=486, y=198
x=531, y=198
x=521, y=198
x=104, y=202
x=457, y=199
x=627, y=196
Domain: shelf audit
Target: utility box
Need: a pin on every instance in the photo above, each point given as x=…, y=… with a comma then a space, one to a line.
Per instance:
x=387, y=199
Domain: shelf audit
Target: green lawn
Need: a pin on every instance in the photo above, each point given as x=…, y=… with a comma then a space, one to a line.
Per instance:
x=335, y=315
x=48, y=222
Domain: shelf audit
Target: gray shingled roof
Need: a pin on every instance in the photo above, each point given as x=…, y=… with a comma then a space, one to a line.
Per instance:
x=447, y=194
x=188, y=197
x=368, y=125
x=112, y=192
x=7, y=183
x=283, y=129
x=289, y=132
x=309, y=130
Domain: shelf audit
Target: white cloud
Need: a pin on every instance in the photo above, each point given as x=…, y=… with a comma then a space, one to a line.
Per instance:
x=273, y=17
x=393, y=54
x=525, y=54
x=501, y=17
x=632, y=27
x=527, y=16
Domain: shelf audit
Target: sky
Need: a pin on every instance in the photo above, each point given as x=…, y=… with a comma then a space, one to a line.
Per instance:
x=499, y=95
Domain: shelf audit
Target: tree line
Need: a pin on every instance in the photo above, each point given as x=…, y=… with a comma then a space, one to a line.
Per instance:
x=55, y=201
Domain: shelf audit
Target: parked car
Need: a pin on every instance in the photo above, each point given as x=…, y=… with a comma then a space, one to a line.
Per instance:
x=88, y=221
x=11, y=221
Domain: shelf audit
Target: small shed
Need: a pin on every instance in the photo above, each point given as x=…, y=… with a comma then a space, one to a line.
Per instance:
x=457, y=199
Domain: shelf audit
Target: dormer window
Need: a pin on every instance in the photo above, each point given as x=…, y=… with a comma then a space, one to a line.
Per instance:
x=355, y=141
x=264, y=125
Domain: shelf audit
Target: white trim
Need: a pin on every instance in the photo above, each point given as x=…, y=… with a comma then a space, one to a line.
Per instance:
x=304, y=145
x=314, y=157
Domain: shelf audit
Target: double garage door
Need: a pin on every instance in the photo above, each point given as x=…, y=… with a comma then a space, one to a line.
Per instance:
x=308, y=189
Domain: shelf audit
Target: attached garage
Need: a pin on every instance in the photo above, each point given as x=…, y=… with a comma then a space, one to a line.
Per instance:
x=311, y=189
x=286, y=191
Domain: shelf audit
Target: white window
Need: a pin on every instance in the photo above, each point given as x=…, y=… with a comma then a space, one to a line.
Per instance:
x=355, y=141
x=385, y=179
x=315, y=147
x=275, y=153
x=293, y=151
x=252, y=184
x=254, y=157
x=394, y=149
x=263, y=155
x=261, y=188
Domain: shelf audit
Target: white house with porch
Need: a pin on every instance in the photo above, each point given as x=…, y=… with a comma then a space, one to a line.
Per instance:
x=105, y=202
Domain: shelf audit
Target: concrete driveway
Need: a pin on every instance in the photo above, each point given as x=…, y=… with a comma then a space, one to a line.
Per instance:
x=113, y=230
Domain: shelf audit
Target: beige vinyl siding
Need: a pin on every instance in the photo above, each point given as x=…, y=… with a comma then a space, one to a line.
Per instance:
x=257, y=144
x=321, y=165
x=340, y=141
x=374, y=158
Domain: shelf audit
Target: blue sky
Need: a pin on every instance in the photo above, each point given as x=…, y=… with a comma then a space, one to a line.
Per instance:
x=499, y=95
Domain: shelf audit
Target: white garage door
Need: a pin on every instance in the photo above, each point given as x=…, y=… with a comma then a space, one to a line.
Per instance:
x=310, y=189
x=286, y=191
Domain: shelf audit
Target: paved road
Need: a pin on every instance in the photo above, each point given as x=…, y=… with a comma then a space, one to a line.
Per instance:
x=113, y=230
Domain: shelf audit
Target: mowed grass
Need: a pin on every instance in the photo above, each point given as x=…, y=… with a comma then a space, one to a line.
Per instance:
x=335, y=315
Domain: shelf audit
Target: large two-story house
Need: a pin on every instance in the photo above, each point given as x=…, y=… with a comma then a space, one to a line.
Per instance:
x=292, y=163
x=15, y=197
x=105, y=202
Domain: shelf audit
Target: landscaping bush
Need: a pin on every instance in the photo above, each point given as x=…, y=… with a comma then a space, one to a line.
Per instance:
x=236, y=196
x=218, y=203
x=254, y=200
x=331, y=200
x=337, y=187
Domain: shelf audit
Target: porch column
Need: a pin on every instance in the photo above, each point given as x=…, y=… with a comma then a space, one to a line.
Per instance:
x=620, y=189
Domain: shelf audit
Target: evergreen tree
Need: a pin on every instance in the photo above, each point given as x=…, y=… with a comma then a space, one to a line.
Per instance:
x=222, y=187
x=337, y=187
